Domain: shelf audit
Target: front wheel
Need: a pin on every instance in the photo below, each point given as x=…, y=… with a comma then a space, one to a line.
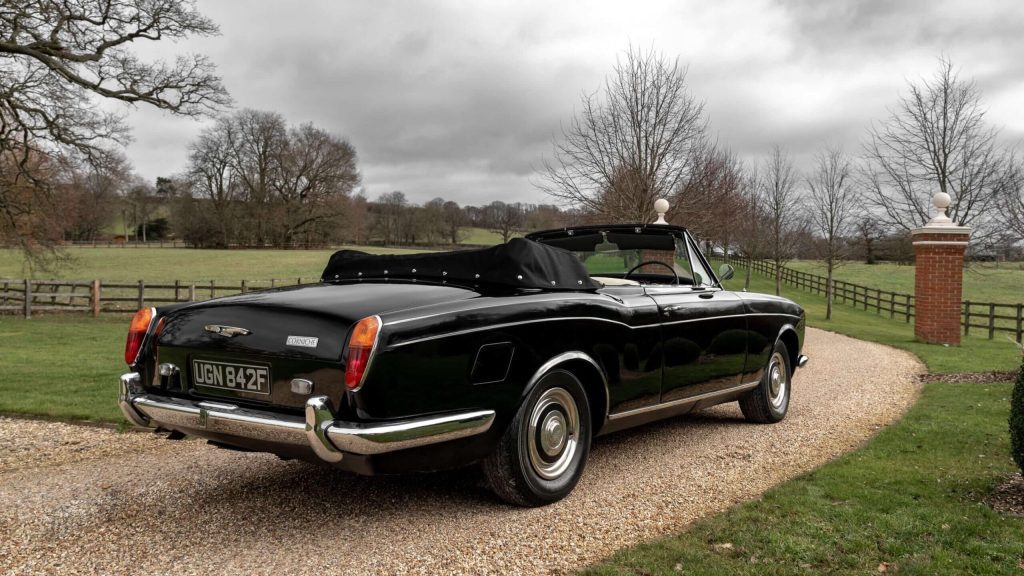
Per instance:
x=541, y=456
x=769, y=402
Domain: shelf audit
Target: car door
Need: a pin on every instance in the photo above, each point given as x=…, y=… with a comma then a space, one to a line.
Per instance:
x=703, y=330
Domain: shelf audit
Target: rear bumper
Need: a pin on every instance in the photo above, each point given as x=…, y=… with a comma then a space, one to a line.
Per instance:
x=329, y=438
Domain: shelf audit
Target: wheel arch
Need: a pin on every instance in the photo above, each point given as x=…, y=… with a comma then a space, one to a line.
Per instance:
x=590, y=375
x=789, y=337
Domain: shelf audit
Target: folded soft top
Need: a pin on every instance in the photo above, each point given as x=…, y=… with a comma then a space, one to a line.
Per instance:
x=520, y=263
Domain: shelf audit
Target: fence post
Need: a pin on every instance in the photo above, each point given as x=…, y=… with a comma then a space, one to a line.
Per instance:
x=271, y=282
x=1020, y=323
x=142, y=294
x=192, y=292
x=907, y=298
x=892, y=305
x=177, y=285
x=865, y=288
x=28, y=298
x=967, y=317
x=991, y=321
x=244, y=288
x=6, y=287
x=94, y=298
x=213, y=290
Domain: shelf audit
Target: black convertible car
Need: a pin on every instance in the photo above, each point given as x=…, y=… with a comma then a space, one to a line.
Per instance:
x=513, y=356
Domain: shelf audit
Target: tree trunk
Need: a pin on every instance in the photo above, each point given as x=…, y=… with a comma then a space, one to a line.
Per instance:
x=778, y=278
x=746, y=282
x=829, y=291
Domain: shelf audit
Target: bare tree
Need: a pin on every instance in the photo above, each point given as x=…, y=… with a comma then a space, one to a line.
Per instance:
x=210, y=175
x=87, y=194
x=256, y=139
x=936, y=140
x=453, y=219
x=633, y=144
x=832, y=201
x=1011, y=205
x=750, y=220
x=392, y=209
x=56, y=58
x=780, y=202
x=505, y=219
x=317, y=172
x=709, y=202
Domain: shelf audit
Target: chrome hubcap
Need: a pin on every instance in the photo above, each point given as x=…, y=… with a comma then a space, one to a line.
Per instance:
x=553, y=433
x=777, y=380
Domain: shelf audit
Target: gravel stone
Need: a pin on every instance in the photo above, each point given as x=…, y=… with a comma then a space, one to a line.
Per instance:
x=81, y=500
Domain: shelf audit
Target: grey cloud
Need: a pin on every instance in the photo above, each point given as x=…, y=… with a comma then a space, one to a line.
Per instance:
x=461, y=100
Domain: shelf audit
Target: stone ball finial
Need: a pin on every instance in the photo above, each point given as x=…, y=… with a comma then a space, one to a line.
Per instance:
x=661, y=207
x=941, y=201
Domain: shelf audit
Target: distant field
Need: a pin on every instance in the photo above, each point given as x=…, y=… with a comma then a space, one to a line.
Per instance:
x=988, y=282
x=481, y=236
x=186, y=264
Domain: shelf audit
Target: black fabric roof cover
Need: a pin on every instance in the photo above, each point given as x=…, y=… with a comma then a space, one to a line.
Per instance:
x=520, y=263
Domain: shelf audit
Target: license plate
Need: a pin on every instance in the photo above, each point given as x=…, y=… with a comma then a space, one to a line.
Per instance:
x=231, y=376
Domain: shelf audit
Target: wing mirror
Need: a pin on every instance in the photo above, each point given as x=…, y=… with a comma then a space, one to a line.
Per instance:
x=726, y=272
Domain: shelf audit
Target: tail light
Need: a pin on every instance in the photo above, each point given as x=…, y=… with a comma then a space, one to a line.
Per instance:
x=360, y=350
x=137, y=333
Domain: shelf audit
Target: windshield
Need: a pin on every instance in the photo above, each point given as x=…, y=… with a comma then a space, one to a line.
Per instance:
x=633, y=257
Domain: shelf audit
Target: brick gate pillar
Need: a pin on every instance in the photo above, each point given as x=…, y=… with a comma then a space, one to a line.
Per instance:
x=938, y=281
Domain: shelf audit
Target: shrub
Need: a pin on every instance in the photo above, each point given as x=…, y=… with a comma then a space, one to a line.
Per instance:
x=1017, y=420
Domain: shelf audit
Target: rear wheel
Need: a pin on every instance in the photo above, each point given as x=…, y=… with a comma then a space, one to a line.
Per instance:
x=541, y=456
x=769, y=402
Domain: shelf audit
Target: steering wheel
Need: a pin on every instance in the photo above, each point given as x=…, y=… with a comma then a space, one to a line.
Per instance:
x=675, y=276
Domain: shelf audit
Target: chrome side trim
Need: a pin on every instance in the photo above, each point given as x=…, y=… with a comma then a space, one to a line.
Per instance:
x=592, y=318
x=389, y=437
x=566, y=357
x=319, y=429
x=682, y=401
x=801, y=361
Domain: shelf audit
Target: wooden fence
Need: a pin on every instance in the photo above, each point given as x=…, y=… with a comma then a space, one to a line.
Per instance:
x=989, y=317
x=27, y=297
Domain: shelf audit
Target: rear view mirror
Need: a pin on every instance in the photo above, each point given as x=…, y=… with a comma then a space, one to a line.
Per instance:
x=726, y=272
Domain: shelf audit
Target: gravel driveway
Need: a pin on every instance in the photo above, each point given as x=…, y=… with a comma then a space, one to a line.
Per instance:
x=77, y=499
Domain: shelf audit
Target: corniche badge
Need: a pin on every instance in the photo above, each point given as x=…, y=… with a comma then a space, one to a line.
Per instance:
x=302, y=341
x=228, y=331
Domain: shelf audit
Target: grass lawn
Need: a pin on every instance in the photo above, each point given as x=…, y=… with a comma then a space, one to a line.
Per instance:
x=185, y=264
x=911, y=499
x=975, y=354
x=482, y=236
x=62, y=366
x=983, y=282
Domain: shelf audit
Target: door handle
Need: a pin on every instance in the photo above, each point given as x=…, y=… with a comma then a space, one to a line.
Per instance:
x=669, y=310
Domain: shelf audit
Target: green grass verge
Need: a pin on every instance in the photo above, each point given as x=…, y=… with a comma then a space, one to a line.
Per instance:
x=983, y=281
x=975, y=354
x=911, y=499
x=168, y=264
x=62, y=366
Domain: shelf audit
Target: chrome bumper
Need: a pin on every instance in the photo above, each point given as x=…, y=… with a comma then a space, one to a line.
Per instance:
x=801, y=361
x=327, y=436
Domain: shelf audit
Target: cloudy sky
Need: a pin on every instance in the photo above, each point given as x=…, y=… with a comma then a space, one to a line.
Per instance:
x=462, y=99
